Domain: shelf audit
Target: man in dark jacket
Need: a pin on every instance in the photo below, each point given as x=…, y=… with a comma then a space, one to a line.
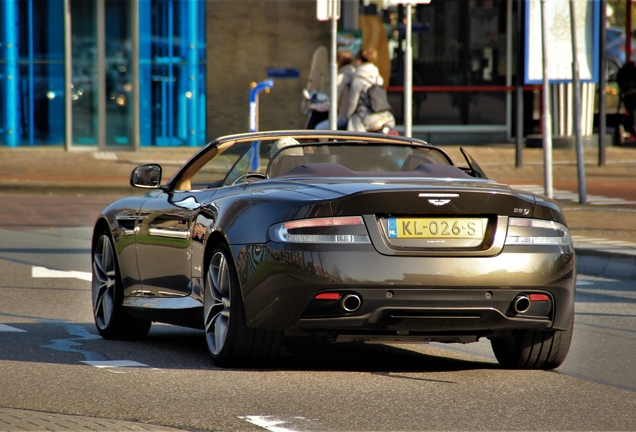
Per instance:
x=626, y=80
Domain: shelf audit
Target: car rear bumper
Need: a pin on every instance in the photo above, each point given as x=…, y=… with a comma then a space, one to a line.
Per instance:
x=417, y=295
x=427, y=314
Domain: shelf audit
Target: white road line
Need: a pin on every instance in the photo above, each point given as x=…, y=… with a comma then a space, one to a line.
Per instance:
x=284, y=424
x=114, y=363
x=6, y=328
x=43, y=272
x=269, y=423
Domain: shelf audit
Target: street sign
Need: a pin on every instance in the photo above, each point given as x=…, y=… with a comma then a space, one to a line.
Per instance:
x=327, y=10
x=279, y=72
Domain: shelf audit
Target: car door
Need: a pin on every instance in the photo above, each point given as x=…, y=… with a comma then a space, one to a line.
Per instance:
x=164, y=241
x=167, y=226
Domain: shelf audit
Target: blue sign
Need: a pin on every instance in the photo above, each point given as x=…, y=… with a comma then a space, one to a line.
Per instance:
x=283, y=73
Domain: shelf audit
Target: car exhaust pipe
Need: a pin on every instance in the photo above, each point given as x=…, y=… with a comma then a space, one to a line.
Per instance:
x=521, y=304
x=350, y=303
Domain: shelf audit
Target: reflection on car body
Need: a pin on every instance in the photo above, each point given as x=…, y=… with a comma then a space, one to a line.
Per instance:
x=337, y=236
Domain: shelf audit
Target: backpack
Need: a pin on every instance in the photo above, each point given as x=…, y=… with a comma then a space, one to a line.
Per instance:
x=376, y=99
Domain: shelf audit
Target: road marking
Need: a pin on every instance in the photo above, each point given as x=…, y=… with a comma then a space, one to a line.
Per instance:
x=571, y=196
x=43, y=272
x=114, y=363
x=292, y=424
x=6, y=328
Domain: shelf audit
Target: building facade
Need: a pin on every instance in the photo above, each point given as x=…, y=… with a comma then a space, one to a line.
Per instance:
x=125, y=74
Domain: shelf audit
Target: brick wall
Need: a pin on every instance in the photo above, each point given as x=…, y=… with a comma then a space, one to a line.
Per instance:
x=244, y=38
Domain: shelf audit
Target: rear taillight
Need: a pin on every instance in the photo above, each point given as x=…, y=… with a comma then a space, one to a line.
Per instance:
x=347, y=229
x=537, y=232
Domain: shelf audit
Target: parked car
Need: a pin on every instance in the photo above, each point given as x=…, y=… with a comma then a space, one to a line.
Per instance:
x=337, y=236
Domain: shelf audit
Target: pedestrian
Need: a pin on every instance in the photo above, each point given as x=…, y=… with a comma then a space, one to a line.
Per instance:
x=361, y=116
x=346, y=70
x=626, y=80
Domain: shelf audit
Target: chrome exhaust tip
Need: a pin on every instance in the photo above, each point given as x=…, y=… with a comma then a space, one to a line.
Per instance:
x=521, y=304
x=350, y=303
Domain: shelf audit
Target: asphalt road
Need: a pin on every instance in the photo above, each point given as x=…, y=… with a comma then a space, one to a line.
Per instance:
x=50, y=358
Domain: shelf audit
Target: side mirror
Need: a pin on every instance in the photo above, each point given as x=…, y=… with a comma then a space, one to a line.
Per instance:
x=146, y=176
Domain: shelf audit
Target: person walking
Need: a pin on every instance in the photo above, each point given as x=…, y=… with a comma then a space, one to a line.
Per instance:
x=360, y=114
x=346, y=70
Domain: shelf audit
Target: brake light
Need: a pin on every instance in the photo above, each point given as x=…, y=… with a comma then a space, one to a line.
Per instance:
x=346, y=229
x=537, y=232
x=327, y=296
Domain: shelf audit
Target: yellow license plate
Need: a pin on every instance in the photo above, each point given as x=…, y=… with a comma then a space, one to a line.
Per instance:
x=404, y=228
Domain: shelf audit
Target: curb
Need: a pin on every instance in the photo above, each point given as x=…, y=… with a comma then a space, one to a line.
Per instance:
x=598, y=262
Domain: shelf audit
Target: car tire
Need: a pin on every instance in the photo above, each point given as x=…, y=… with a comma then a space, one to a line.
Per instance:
x=111, y=320
x=229, y=340
x=533, y=349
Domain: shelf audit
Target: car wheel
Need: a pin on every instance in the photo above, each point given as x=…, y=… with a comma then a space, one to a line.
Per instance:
x=229, y=340
x=533, y=349
x=112, y=321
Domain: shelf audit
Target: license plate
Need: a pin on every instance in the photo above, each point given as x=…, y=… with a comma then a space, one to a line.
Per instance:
x=435, y=228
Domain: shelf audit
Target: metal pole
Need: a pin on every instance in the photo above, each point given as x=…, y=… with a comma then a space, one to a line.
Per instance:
x=101, y=74
x=333, y=70
x=408, y=75
x=580, y=155
x=509, y=42
x=628, y=31
x=68, y=78
x=519, y=83
x=135, y=75
x=546, y=116
x=602, y=82
x=253, y=115
x=8, y=109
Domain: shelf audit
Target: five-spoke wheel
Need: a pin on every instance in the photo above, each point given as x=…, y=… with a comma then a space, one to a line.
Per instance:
x=228, y=337
x=112, y=321
x=218, y=301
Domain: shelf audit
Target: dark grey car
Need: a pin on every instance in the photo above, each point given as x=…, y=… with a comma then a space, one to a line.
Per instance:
x=263, y=238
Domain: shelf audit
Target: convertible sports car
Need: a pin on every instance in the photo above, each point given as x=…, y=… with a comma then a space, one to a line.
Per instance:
x=262, y=238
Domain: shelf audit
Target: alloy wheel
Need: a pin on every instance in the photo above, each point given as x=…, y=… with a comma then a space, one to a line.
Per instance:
x=104, y=282
x=217, y=303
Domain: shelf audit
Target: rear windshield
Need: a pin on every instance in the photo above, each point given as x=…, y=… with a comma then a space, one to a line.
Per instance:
x=361, y=158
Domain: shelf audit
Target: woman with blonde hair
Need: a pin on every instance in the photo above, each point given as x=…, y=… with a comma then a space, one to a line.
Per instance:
x=361, y=116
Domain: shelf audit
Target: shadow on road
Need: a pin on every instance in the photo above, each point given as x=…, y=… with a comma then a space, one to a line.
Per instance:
x=177, y=348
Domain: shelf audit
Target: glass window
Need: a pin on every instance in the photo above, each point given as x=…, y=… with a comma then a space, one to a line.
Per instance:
x=32, y=68
x=84, y=78
x=172, y=57
x=458, y=46
x=118, y=68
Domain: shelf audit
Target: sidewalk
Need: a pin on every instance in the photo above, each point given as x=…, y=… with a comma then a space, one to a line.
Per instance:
x=598, y=229
x=28, y=420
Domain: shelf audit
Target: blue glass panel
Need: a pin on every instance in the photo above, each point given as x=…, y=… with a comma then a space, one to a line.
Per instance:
x=172, y=51
x=32, y=68
x=44, y=39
